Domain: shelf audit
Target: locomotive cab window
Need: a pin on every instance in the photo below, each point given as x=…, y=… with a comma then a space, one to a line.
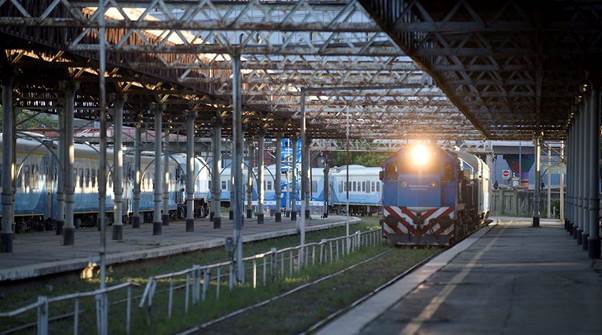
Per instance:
x=391, y=172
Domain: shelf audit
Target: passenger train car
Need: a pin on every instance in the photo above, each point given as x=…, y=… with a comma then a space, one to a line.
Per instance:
x=36, y=185
x=36, y=197
x=433, y=196
x=364, y=188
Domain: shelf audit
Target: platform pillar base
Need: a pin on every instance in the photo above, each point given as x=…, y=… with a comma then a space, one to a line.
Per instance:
x=231, y=215
x=594, y=248
x=535, y=221
x=584, y=243
x=249, y=213
x=277, y=217
x=68, y=236
x=59, y=227
x=217, y=222
x=6, y=242
x=157, y=228
x=117, y=232
x=307, y=214
x=189, y=225
x=579, y=236
x=135, y=221
x=293, y=216
x=260, y=218
x=165, y=220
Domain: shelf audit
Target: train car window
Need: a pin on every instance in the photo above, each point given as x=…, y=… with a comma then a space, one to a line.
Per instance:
x=87, y=181
x=34, y=176
x=269, y=185
x=24, y=177
x=224, y=185
x=354, y=187
x=364, y=186
x=93, y=178
x=391, y=172
x=20, y=180
x=340, y=187
x=81, y=178
x=447, y=172
x=373, y=187
x=314, y=186
x=378, y=187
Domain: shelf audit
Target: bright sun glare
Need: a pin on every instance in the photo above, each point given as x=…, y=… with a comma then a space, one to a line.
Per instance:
x=420, y=154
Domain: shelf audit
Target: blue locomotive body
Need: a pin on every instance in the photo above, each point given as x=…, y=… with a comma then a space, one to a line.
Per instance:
x=433, y=200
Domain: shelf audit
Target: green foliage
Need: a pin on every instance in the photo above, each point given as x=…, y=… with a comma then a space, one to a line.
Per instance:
x=30, y=120
x=361, y=158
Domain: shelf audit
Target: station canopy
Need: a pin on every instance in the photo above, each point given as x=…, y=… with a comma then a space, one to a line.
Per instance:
x=178, y=53
x=354, y=65
x=516, y=69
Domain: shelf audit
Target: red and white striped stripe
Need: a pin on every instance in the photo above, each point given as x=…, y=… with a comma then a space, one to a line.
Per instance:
x=405, y=221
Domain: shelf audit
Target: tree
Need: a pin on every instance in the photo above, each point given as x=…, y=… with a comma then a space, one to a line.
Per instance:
x=361, y=158
x=27, y=119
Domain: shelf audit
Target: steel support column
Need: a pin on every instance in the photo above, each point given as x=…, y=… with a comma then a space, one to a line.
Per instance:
x=237, y=154
x=278, y=180
x=587, y=144
x=594, y=176
x=118, y=169
x=293, y=179
x=568, y=179
x=549, y=184
x=136, y=219
x=573, y=180
x=158, y=178
x=304, y=176
x=574, y=165
x=537, y=191
x=69, y=162
x=249, y=188
x=562, y=188
x=575, y=177
x=190, y=164
x=580, y=174
x=326, y=189
x=8, y=164
x=308, y=177
x=60, y=182
x=260, y=178
x=166, y=177
x=216, y=184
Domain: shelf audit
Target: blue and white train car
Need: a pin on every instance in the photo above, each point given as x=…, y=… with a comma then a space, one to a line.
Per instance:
x=36, y=184
x=364, y=189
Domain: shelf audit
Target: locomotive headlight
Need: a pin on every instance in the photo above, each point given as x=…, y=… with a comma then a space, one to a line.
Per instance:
x=420, y=154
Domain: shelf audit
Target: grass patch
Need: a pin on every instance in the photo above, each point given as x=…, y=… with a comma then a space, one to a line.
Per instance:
x=13, y=295
x=299, y=311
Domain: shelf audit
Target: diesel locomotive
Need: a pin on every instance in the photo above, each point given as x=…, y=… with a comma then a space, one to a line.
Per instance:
x=433, y=196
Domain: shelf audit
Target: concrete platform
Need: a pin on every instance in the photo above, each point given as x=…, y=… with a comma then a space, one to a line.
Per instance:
x=41, y=253
x=513, y=279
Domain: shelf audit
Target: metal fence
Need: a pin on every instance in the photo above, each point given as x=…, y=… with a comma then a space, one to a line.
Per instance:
x=166, y=293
